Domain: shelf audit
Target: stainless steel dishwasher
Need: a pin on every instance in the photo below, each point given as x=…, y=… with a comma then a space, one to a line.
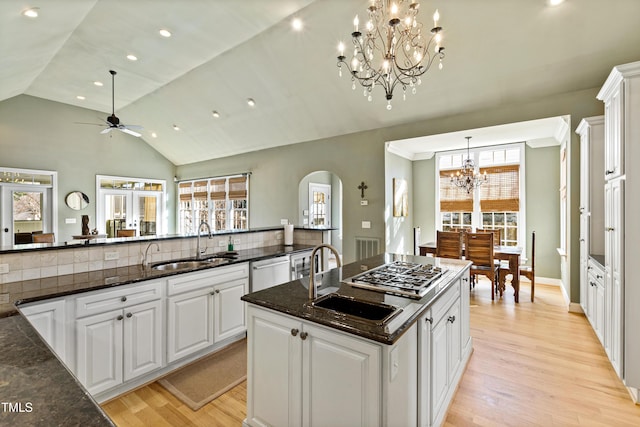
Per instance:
x=270, y=272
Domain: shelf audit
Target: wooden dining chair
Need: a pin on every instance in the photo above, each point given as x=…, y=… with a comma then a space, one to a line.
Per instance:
x=126, y=232
x=479, y=250
x=525, y=270
x=449, y=244
x=497, y=234
x=43, y=238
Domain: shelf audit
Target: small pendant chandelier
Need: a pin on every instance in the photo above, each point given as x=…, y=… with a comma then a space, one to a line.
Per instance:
x=468, y=177
x=392, y=49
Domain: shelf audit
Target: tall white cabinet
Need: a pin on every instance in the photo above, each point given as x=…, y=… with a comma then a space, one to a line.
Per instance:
x=621, y=97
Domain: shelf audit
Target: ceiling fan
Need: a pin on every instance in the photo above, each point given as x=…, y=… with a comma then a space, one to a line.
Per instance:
x=112, y=121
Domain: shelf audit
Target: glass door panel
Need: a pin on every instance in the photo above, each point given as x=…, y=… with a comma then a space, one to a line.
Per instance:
x=147, y=207
x=116, y=212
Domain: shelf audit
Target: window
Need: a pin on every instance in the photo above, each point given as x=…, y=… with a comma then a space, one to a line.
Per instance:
x=496, y=204
x=221, y=201
x=130, y=203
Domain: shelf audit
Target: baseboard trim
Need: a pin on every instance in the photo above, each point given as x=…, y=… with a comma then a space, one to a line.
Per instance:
x=634, y=394
x=575, y=307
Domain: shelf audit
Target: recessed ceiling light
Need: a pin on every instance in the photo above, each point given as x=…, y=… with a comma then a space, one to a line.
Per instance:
x=80, y=97
x=251, y=102
x=215, y=114
x=555, y=2
x=97, y=83
x=175, y=127
x=31, y=12
x=296, y=24
x=131, y=57
x=154, y=135
x=165, y=33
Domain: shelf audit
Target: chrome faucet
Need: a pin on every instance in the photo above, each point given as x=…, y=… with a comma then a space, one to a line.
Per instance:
x=198, y=251
x=312, y=267
x=146, y=253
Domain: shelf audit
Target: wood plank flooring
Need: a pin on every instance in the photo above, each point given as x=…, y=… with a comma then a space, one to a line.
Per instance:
x=534, y=364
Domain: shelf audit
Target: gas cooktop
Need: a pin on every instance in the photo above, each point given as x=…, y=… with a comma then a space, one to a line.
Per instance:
x=400, y=278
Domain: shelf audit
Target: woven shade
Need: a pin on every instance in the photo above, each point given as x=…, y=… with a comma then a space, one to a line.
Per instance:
x=218, y=190
x=452, y=198
x=501, y=192
x=185, y=191
x=238, y=188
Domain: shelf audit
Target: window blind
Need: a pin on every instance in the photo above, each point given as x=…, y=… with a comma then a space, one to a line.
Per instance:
x=185, y=191
x=501, y=192
x=200, y=190
x=452, y=198
x=238, y=188
x=218, y=190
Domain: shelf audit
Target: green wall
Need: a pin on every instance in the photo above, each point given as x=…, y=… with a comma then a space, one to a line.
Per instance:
x=40, y=134
x=399, y=230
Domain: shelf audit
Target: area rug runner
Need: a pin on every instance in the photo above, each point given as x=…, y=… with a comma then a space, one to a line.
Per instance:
x=202, y=381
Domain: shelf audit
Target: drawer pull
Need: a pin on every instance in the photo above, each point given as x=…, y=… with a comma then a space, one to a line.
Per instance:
x=598, y=276
x=129, y=315
x=451, y=319
x=303, y=335
x=120, y=317
x=294, y=332
x=429, y=319
x=592, y=284
x=609, y=172
x=123, y=299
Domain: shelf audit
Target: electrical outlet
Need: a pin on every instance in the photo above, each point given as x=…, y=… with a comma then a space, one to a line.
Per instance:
x=222, y=244
x=69, y=220
x=364, y=202
x=111, y=256
x=236, y=241
x=284, y=221
x=366, y=224
x=4, y=268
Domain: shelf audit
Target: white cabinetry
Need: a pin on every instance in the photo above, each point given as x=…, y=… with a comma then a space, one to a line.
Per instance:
x=204, y=307
x=621, y=96
x=118, y=344
x=294, y=368
x=443, y=342
x=595, y=298
x=48, y=318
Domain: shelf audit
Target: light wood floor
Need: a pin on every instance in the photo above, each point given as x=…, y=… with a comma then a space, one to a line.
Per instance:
x=534, y=364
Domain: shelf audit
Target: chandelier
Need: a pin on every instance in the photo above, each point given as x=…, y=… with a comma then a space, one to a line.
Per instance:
x=467, y=177
x=394, y=50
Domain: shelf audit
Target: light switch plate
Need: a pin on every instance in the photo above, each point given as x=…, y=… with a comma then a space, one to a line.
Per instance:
x=4, y=268
x=284, y=221
x=364, y=202
x=69, y=220
x=236, y=241
x=111, y=256
x=366, y=224
x=222, y=244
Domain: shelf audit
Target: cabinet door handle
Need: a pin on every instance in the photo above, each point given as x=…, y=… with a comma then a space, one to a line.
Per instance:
x=451, y=319
x=592, y=284
x=465, y=279
x=609, y=229
x=582, y=240
x=598, y=276
x=294, y=332
x=120, y=317
x=303, y=336
x=429, y=319
x=609, y=172
x=217, y=291
x=123, y=299
x=129, y=315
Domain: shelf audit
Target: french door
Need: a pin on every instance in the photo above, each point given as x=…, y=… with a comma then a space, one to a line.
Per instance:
x=130, y=209
x=319, y=205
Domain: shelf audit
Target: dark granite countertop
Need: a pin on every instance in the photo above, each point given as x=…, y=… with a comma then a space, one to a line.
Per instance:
x=57, y=286
x=36, y=388
x=291, y=298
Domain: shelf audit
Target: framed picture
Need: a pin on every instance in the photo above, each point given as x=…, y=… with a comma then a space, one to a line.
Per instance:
x=400, y=197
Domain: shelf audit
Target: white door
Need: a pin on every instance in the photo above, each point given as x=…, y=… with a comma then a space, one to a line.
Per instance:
x=615, y=260
x=146, y=211
x=439, y=373
x=116, y=213
x=424, y=372
x=142, y=339
x=24, y=210
x=189, y=323
x=341, y=380
x=99, y=351
x=274, y=366
x=319, y=205
x=48, y=318
x=453, y=340
x=230, y=311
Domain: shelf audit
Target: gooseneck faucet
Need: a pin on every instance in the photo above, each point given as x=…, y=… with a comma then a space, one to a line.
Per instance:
x=198, y=251
x=145, y=261
x=312, y=267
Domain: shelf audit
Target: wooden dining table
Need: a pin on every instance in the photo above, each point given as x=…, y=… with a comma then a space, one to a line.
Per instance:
x=504, y=253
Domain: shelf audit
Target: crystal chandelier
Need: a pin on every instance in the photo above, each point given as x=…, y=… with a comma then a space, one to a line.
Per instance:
x=394, y=50
x=467, y=177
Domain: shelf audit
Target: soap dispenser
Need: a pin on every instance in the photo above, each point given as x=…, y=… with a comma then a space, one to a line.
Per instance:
x=230, y=245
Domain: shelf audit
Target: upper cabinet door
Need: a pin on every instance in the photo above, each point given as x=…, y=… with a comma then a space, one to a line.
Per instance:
x=613, y=140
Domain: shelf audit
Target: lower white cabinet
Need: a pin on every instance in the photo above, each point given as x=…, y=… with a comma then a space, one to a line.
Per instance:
x=49, y=319
x=118, y=345
x=595, y=300
x=293, y=369
x=209, y=312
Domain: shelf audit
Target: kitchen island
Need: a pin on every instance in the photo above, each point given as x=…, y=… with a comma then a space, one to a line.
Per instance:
x=311, y=366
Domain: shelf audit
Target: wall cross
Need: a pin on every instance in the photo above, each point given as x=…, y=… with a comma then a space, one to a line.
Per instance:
x=362, y=187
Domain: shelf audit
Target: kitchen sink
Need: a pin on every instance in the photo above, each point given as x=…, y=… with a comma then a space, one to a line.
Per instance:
x=185, y=265
x=355, y=309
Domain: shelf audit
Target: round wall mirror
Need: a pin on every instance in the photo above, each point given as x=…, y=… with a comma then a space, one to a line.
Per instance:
x=77, y=200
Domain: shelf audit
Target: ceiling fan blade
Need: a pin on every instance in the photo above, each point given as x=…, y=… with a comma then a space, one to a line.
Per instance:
x=135, y=127
x=130, y=132
x=107, y=130
x=85, y=123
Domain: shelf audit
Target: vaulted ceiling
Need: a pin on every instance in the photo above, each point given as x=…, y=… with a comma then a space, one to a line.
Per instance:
x=222, y=52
